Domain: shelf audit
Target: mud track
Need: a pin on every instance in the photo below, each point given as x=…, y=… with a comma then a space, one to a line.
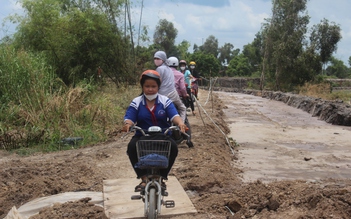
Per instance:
x=210, y=174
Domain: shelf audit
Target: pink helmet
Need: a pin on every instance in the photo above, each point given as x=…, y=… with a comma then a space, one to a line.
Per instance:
x=182, y=62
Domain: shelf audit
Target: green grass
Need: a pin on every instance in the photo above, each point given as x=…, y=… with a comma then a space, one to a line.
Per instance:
x=38, y=110
x=74, y=113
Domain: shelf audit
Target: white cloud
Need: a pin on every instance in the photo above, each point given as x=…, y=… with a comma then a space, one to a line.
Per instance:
x=221, y=24
x=15, y=5
x=195, y=22
x=171, y=18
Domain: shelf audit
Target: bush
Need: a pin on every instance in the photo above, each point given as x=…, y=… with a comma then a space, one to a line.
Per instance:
x=38, y=110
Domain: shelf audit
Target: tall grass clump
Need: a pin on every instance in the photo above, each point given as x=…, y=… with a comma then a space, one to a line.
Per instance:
x=24, y=76
x=317, y=90
x=26, y=83
x=38, y=110
x=325, y=91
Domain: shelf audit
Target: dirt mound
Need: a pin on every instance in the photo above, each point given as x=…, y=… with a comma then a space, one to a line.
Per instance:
x=208, y=173
x=334, y=112
x=78, y=209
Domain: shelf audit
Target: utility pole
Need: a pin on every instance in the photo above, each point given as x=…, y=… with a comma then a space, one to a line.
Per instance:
x=141, y=15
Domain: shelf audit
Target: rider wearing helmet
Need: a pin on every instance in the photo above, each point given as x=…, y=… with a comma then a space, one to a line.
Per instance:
x=196, y=75
x=187, y=78
x=167, y=87
x=150, y=109
x=181, y=89
x=178, y=77
x=182, y=65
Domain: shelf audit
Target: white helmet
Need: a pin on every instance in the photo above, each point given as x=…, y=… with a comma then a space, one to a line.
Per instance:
x=173, y=61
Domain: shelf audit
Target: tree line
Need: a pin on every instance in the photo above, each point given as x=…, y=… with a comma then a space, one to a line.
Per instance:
x=78, y=37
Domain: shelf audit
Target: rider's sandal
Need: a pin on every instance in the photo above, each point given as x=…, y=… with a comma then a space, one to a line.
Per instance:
x=164, y=188
x=140, y=187
x=163, y=185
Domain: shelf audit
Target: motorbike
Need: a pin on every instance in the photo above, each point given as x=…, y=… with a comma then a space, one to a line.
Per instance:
x=194, y=88
x=153, y=155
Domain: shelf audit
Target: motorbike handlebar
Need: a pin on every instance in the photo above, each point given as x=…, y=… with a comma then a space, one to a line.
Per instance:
x=171, y=128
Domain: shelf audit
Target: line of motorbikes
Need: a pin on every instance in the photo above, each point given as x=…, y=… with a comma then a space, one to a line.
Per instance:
x=153, y=155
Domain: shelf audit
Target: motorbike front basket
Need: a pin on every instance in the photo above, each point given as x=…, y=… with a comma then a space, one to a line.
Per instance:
x=153, y=154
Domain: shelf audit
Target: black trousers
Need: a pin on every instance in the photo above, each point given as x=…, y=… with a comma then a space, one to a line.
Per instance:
x=133, y=157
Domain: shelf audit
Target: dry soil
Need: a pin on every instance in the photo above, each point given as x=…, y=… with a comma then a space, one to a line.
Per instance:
x=222, y=181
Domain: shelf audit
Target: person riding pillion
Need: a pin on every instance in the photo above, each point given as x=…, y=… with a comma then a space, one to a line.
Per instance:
x=179, y=81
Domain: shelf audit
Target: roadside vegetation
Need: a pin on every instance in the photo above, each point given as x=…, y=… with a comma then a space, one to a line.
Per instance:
x=325, y=91
x=50, y=89
x=39, y=110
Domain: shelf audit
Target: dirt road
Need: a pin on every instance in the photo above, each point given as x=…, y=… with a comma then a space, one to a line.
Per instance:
x=220, y=184
x=281, y=142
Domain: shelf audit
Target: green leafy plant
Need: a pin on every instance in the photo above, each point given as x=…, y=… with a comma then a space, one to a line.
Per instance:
x=38, y=110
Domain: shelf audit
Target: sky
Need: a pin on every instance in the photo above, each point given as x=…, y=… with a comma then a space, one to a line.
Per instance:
x=230, y=21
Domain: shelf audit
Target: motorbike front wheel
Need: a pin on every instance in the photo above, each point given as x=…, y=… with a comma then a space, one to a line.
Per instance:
x=152, y=211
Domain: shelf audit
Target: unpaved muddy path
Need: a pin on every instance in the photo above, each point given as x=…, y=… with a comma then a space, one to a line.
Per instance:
x=281, y=142
x=279, y=146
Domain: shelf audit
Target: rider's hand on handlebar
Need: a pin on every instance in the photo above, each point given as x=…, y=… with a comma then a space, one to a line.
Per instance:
x=183, y=127
x=126, y=128
x=127, y=125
